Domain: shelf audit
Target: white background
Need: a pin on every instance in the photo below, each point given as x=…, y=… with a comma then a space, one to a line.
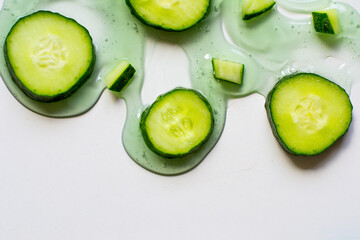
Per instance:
x=64, y=179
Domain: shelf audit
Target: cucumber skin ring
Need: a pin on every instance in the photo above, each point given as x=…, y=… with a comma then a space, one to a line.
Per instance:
x=272, y=123
x=148, y=109
x=157, y=26
x=61, y=96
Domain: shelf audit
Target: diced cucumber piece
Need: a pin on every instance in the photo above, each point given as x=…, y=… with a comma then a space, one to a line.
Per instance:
x=171, y=15
x=326, y=21
x=254, y=8
x=308, y=113
x=119, y=77
x=228, y=71
x=177, y=123
x=49, y=56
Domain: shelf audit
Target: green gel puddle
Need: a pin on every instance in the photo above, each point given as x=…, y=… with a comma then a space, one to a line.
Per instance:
x=271, y=46
x=303, y=5
x=105, y=22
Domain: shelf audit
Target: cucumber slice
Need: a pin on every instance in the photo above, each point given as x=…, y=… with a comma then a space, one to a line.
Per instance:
x=228, y=71
x=254, y=8
x=326, y=21
x=177, y=123
x=170, y=15
x=49, y=56
x=308, y=113
x=119, y=77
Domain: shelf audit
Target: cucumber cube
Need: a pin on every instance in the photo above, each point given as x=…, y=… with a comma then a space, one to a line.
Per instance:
x=326, y=21
x=118, y=78
x=228, y=71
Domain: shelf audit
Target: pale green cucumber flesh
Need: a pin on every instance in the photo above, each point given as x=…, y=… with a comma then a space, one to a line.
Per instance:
x=308, y=113
x=49, y=56
x=120, y=76
x=170, y=15
x=177, y=123
x=228, y=71
x=254, y=8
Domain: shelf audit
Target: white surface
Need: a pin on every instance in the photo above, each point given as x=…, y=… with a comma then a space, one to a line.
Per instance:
x=71, y=179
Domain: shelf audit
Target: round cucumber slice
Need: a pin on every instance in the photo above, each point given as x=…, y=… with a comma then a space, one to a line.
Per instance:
x=177, y=123
x=170, y=15
x=49, y=56
x=308, y=113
